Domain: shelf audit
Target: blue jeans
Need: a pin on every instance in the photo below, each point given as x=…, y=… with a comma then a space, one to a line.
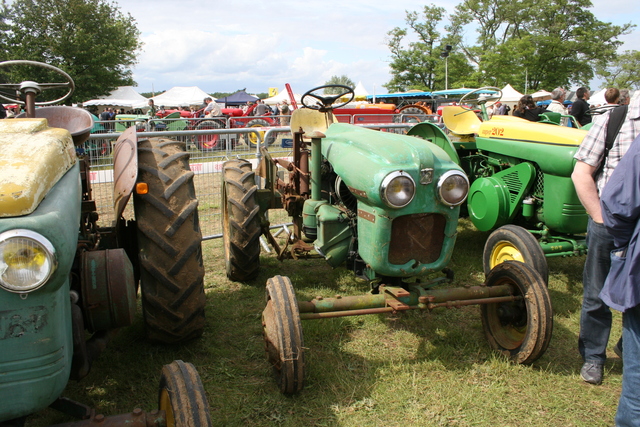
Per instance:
x=595, y=318
x=629, y=406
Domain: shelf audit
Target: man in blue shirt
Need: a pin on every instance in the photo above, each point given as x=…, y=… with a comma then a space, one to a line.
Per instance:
x=620, y=202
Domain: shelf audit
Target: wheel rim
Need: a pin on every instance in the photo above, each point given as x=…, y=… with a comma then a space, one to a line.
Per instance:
x=505, y=251
x=165, y=405
x=253, y=139
x=208, y=142
x=506, y=323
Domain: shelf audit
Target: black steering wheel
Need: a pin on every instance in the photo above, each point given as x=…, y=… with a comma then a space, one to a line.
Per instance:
x=33, y=87
x=479, y=96
x=326, y=102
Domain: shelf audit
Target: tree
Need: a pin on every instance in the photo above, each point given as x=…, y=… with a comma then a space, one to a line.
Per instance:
x=416, y=57
x=545, y=43
x=335, y=80
x=91, y=40
x=550, y=43
x=623, y=72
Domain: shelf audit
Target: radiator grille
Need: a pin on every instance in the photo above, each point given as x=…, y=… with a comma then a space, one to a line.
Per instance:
x=418, y=237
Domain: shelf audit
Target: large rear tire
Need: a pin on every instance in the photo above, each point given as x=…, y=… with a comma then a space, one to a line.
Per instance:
x=182, y=397
x=210, y=142
x=169, y=243
x=256, y=123
x=241, y=228
x=520, y=329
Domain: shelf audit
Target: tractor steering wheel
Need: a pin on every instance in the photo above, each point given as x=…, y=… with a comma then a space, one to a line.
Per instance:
x=33, y=87
x=477, y=96
x=326, y=102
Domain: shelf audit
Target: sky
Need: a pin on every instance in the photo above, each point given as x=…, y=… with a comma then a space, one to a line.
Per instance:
x=223, y=46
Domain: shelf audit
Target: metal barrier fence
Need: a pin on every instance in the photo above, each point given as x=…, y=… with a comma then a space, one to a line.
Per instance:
x=208, y=147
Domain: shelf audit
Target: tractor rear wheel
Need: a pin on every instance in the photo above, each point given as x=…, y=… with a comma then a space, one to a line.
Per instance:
x=512, y=242
x=282, y=333
x=182, y=397
x=520, y=329
x=256, y=123
x=241, y=228
x=169, y=243
x=210, y=142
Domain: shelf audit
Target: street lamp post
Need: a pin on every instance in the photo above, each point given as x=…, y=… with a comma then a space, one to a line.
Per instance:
x=445, y=54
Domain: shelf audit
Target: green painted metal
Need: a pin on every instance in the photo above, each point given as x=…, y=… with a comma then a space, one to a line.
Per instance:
x=334, y=234
x=494, y=201
x=36, y=342
x=363, y=158
x=563, y=211
x=436, y=135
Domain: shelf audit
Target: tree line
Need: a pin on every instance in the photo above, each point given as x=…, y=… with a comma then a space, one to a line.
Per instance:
x=530, y=44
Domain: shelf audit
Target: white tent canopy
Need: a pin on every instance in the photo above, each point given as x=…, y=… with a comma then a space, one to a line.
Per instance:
x=181, y=96
x=360, y=91
x=509, y=94
x=598, y=98
x=281, y=96
x=124, y=96
x=541, y=95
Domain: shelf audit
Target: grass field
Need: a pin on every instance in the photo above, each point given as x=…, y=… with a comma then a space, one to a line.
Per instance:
x=410, y=369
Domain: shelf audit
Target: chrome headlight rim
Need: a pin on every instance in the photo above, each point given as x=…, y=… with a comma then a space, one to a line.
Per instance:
x=443, y=178
x=49, y=252
x=386, y=183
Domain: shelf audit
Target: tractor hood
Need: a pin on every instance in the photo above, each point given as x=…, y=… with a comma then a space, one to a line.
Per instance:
x=33, y=157
x=515, y=128
x=364, y=157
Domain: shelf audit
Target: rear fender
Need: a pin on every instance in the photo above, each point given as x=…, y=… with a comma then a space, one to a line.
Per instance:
x=125, y=169
x=434, y=134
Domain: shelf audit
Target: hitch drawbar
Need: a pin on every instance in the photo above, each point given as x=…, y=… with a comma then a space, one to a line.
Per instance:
x=392, y=299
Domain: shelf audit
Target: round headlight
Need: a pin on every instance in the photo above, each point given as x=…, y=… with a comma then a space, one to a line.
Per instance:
x=27, y=260
x=398, y=189
x=453, y=188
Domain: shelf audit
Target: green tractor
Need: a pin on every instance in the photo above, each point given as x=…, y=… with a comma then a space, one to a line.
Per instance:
x=520, y=174
x=66, y=283
x=385, y=206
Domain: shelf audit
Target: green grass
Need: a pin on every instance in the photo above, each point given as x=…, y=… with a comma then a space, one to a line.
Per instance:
x=410, y=369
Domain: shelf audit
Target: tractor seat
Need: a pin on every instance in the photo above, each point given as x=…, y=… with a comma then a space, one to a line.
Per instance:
x=311, y=120
x=550, y=117
x=76, y=120
x=460, y=120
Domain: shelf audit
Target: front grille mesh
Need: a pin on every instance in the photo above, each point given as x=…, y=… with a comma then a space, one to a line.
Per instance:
x=416, y=237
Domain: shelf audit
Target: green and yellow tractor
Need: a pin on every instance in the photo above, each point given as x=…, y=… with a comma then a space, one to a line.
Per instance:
x=386, y=207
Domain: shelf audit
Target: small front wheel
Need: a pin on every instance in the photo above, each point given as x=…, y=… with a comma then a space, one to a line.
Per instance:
x=182, y=397
x=282, y=333
x=519, y=329
x=514, y=243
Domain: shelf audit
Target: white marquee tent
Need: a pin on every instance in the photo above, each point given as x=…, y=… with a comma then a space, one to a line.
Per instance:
x=124, y=96
x=509, y=94
x=181, y=96
x=282, y=95
x=360, y=92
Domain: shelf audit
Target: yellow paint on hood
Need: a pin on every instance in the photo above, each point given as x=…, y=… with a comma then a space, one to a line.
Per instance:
x=33, y=157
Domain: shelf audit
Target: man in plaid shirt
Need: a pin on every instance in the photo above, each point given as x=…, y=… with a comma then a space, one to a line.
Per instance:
x=595, y=318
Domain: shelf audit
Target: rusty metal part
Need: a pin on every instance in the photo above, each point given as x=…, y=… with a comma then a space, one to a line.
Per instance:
x=108, y=289
x=125, y=169
x=417, y=237
x=392, y=299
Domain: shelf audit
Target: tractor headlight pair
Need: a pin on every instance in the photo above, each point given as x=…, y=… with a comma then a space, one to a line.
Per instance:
x=398, y=188
x=27, y=260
